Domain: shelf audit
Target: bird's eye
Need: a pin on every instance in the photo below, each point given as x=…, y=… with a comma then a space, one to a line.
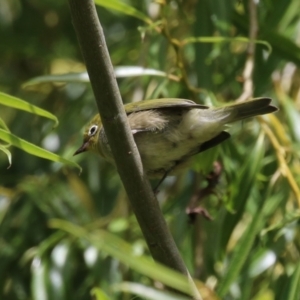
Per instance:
x=93, y=130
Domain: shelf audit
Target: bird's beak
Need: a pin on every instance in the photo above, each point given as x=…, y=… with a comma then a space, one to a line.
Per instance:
x=83, y=148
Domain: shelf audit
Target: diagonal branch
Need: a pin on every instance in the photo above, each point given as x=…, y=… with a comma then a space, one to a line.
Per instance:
x=93, y=46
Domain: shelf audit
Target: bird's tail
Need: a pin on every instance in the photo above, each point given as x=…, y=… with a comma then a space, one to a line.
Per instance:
x=243, y=110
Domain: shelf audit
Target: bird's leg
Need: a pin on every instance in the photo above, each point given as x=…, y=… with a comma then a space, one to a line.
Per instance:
x=155, y=190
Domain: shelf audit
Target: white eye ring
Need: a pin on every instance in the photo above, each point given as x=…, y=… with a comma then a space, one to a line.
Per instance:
x=93, y=130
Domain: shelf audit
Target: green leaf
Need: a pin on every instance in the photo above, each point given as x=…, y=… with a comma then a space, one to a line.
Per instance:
x=289, y=217
x=3, y=125
x=283, y=46
x=240, y=254
x=220, y=39
x=69, y=77
x=123, y=8
x=8, y=154
x=33, y=149
x=242, y=249
x=17, y=103
x=122, y=251
x=98, y=294
x=246, y=177
x=292, y=117
x=294, y=290
x=120, y=72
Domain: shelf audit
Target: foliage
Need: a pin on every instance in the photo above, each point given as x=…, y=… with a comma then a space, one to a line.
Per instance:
x=189, y=49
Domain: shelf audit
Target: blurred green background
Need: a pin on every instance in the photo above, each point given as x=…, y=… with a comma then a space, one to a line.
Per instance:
x=250, y=248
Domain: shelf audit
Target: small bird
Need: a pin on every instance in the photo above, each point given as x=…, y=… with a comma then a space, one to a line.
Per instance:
x=168, y=132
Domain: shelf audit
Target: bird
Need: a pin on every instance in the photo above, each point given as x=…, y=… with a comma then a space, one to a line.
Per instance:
x=169, y=131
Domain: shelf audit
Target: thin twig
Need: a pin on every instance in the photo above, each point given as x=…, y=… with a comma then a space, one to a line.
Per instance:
x=280, y=153
x=178, y=47
x=249, y=65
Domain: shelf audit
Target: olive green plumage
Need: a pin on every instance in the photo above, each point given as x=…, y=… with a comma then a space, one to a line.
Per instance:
x=168, y=132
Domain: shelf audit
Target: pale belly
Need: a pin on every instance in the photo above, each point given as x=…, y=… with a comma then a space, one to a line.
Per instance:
x=160, y=154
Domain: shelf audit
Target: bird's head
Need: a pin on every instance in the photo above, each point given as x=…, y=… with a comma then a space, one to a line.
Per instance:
x=91, y=136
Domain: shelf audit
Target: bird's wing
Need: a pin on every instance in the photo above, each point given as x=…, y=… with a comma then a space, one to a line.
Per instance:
x=161, y=103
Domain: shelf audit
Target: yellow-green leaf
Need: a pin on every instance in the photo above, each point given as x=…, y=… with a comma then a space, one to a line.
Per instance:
x=8, y=154
x=122, y=251
x=69, y=77
x=33, y=149
x=120, y=72
x=98, y=294
x=17, y=103
x=3, y=125
x=220, y=39
x=124, y=8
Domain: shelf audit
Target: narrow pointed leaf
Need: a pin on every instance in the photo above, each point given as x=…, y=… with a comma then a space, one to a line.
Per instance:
x=17, y=103
x=220, y=39
x=123, y=8
x=120, y=72
x=33, y=149
x=294, y=290
x=122, y=251
x=8, y=154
